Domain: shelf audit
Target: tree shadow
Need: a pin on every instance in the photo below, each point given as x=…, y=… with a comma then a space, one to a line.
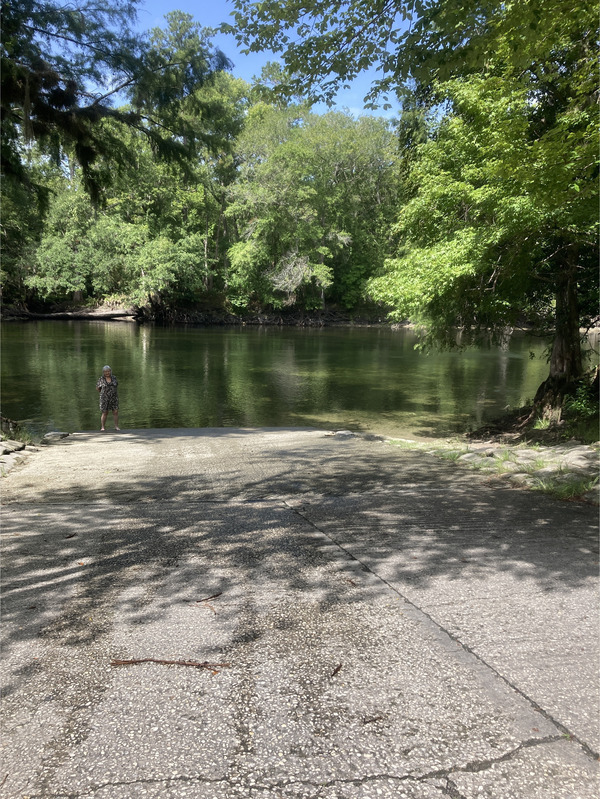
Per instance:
x=293, y=521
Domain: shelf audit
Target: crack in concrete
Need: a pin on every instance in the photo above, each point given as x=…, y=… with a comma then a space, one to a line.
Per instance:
x=483, y=765
x=595, y=756
x=450, y=788
x=452, y=791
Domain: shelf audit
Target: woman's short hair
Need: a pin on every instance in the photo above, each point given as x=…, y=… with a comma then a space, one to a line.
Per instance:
x=106, y=369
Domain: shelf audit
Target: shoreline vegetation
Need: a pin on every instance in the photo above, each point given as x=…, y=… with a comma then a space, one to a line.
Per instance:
x=204, y=316
x=217, y=317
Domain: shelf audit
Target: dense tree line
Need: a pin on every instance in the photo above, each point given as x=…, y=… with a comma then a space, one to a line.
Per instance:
x=498, y=216
x=476, y=209
x=293, y=210
x=249, y=203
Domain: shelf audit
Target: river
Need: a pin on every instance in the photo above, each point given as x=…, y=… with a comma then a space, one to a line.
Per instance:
x=361, y=379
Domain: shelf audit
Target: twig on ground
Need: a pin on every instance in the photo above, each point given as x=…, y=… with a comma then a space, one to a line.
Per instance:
x=193, y=663
x=208, y=598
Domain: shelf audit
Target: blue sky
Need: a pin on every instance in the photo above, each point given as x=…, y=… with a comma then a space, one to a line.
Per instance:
x=211, y=14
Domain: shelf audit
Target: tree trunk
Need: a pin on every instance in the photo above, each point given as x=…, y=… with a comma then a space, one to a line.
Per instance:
x=566, y=363
x=207, y=273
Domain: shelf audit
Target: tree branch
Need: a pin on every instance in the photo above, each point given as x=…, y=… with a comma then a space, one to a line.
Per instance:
x=65, y=38
x=131, y=80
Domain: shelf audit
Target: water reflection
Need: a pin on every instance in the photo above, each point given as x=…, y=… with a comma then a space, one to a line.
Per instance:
x=361, y=379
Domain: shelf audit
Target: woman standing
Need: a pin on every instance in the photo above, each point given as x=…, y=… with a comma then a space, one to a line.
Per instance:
x=109, y=398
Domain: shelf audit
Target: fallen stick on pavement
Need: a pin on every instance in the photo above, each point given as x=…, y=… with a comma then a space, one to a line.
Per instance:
x=194, y=663
x=375, y=718
x=214, y=596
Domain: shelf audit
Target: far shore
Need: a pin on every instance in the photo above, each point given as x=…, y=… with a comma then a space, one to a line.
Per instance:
x=329, y=317
x=205, y=317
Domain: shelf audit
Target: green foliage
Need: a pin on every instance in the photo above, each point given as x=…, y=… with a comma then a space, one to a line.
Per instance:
x=84, y=252
x=61, y=265
x=314, y=196
x=569, y=490
x=248, y=262
x=98, y=254
x=581, y=414
x=62, y=67
x=112, y=247
x=22, y=223
x=500, y=206
x=493, y=214
x=583, y=403
x=413, y=44
x=461, y=260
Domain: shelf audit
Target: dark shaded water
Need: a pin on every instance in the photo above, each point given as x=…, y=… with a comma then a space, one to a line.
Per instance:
x=368, y=379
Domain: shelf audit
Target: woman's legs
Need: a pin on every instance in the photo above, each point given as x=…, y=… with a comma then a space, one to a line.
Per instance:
x=103, y=419
x=116, y=418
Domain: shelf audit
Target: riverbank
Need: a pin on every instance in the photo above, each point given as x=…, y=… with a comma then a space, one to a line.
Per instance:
x=567, y=471
x=204, y=317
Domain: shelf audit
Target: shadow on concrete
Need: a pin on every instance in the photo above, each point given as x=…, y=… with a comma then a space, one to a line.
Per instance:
x=293, y=517
x=418, y=519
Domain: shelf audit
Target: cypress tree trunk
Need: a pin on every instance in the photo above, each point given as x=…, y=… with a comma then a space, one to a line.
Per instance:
x=566, y=363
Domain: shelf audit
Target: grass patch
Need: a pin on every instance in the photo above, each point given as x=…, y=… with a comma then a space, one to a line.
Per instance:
x=446, y=451
x=451, y=455
x=534, y=466
x=21, y=434
x=573, y=489
x=564, y=484
x=404, y=443
x=542, y=424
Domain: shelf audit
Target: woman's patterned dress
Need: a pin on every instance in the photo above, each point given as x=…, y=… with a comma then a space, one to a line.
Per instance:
x=109, y=399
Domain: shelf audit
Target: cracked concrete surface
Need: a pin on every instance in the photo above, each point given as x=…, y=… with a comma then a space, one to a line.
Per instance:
x=392, y=627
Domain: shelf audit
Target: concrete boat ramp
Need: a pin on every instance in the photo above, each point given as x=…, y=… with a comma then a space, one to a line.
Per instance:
x=291, y=614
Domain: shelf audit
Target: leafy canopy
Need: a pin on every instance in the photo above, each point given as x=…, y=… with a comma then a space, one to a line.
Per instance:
x=327, y=43
x=63, y=68
x=312, y=201
x=491, y=211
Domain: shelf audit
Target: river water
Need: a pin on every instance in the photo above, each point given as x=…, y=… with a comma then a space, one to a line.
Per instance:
x=362, y=379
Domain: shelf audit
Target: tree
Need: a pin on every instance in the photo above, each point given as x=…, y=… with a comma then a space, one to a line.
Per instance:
x=62, y=67
x=501, y=227
x=63, y=71
x=158, y=238
x=489, y=204
x=312, y=202
x=501, y=217
x=324, y=45
x=22, y=224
